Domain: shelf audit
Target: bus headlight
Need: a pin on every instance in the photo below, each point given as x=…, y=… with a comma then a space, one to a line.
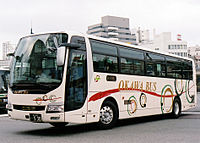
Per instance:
x=56, y=107
x=9, y=107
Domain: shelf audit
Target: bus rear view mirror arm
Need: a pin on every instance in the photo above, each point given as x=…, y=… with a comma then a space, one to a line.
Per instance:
x=62, y=50
x=70, y=45
x=10, y=54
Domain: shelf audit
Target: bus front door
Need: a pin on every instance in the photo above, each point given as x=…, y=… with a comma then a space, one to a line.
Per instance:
x=76, y=87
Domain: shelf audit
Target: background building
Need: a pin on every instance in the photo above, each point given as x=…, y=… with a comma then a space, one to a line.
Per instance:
x=194, y=52
x=115, y=28
x=178, y=47
x=142, y=36
x=163, y=42
x=7, y=48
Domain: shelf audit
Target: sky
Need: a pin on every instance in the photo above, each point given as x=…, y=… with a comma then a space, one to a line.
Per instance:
x=176, y=16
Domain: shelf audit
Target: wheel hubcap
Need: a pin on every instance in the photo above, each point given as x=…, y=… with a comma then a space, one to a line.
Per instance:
x=106, y=115
x=176, y=108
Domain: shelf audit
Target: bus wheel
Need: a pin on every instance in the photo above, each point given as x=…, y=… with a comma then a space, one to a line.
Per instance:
x=176, y=112
x=108, y=115
x=59, y=124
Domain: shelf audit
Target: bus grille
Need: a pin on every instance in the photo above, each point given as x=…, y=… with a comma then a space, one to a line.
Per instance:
x=28, y=108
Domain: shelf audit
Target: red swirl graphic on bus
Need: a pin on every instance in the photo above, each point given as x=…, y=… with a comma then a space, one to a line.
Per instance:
x=100, y=95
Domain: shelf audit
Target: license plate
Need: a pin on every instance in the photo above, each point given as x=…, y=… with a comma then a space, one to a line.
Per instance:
x=36, y=118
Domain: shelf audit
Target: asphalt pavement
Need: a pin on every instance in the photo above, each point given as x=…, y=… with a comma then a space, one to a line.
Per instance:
x=152, y=129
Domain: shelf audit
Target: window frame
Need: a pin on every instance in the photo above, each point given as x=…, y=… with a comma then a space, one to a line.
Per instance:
x=103, y=54
x=164, y=61
x=124, y=57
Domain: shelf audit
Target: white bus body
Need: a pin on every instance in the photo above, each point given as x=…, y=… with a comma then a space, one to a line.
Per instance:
x=100, y=81
x=4, y=74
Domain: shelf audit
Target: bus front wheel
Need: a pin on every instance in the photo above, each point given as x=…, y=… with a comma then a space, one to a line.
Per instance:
x=108, y=115
x=176, y=112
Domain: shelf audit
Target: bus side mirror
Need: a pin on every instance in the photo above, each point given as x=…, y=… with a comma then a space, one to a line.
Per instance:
x=60, y=57
x=10, y=54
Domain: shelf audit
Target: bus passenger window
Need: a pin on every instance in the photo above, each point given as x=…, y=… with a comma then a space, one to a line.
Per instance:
x=104, y=63
x=160, y=70
x=150, y=69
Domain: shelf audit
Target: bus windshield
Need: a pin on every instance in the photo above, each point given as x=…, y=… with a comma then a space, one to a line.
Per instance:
x=4, y=81
x=34, y=67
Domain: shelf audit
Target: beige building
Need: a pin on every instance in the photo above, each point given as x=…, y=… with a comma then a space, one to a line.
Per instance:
x=163, y=42
x=7, y=48
x=114, y=28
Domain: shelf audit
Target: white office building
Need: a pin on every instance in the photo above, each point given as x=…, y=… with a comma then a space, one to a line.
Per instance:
x=163, y=42
x=142, y=36
x=194, y=52
x=114, y=28
x=7, y=48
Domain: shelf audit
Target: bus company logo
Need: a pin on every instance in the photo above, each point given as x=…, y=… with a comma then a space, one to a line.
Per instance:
x=166, y=91
x=179, y=87
x=131, y=105
x=140, y=85
x=97, y=78
x=51, y=98
x=20, y=92
x=143, y=100
x=189, y=97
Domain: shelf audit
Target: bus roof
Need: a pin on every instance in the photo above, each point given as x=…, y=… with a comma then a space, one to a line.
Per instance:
x=136, y=47
x=71, y=33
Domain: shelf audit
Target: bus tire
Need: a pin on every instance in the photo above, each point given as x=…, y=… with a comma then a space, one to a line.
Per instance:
x=108, y=115
x=176, y=112
x=59, y=124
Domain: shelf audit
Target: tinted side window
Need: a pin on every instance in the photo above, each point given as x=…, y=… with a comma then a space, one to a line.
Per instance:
x=155, y=65
x=104, y=57
x=103, y=48
x=76, y=81
x=79, y=40
x=132, y=66
x=174, y=71
x=174, y=68
x=171, y=60
x=131, y=61
x=104, y=63
x=154, y=57
x=187, y=70
x=160, y=69
x=190, y=70
x=150, y=69
x=133, y=54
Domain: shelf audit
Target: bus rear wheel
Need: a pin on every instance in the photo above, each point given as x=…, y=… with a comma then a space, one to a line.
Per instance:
x=108, y=115
x=176, y=112
x=59, y=124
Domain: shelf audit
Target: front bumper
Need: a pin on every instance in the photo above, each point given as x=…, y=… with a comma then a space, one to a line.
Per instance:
x=36, y=116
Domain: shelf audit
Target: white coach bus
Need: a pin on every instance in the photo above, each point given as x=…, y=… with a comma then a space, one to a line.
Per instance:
x=61, y=78
x=4, y=75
